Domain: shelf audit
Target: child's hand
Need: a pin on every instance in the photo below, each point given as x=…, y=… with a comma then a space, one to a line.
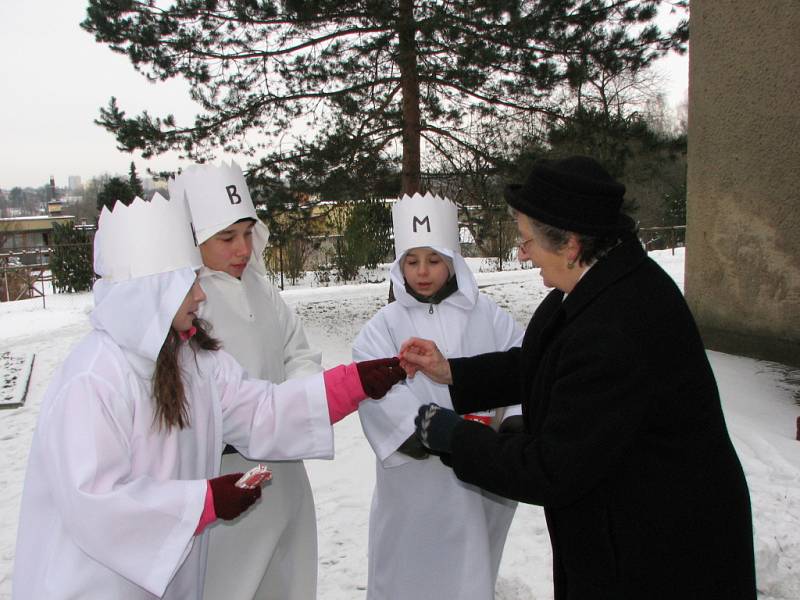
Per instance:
x=379, y=375
x=231, y=501
x=347, y=385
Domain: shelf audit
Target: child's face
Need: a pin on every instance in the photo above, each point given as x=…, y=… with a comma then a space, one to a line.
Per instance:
x=188, y=309
x=425, y=271
x=229, y=250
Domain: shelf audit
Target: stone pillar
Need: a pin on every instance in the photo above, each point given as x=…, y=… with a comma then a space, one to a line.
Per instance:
x=743, y=198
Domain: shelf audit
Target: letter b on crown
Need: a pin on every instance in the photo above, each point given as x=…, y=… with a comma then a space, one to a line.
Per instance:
x=232, y=195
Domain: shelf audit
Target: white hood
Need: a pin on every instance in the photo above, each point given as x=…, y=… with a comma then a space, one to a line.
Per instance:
x=138, y=313
x=466, y=295
x=260, y=239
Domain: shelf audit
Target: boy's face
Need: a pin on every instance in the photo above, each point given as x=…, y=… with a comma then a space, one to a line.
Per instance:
x=425, y=271
x=229, y=250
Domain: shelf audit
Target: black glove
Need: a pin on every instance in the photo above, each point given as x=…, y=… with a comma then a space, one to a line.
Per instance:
x=512, y=424
x=378, y=376
x=435, y=426
x=413, y=447
x=231, y=501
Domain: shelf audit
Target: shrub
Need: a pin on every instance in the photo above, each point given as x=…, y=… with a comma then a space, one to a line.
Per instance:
x=71, y=259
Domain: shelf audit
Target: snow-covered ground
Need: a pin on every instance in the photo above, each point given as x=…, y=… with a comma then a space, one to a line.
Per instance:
x=758, y=400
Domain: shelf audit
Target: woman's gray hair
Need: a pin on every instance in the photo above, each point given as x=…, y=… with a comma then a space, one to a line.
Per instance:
x=593, y=247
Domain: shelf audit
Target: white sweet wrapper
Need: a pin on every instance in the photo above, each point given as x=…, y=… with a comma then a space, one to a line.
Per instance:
x=255, y=477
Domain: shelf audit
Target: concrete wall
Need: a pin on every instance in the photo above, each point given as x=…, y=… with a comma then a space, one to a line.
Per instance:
x=743, y=214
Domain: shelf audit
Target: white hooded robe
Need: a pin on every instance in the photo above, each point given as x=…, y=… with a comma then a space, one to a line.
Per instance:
x=270, y=552
x=431, y=536
x=110, y=502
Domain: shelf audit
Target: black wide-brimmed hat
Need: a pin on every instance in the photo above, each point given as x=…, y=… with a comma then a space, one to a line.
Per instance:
x=575, y=194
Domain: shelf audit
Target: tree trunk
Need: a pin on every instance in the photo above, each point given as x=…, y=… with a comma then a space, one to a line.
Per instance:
x=409, y=83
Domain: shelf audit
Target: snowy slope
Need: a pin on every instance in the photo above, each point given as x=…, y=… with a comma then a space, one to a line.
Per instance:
x=757, y=399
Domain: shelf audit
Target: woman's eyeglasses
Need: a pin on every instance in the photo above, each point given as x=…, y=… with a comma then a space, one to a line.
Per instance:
x=521, y=245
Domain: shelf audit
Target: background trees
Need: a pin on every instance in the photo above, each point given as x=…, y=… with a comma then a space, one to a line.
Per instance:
x=71, y=259
x=118, y=189
x=352, y=81
x=344, y=100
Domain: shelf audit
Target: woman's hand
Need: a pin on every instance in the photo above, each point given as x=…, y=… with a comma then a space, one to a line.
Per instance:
x=417, y=354
x=435, y=426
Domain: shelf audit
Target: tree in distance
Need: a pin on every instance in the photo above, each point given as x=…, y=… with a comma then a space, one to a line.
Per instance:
x=116, y=189
x=389, y=80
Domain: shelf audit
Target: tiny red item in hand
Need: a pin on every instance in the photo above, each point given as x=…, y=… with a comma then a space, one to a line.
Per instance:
x=254, y=477
x=485, y=417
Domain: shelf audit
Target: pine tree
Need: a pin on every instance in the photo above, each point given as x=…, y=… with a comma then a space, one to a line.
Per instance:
x=116, y=189
x=368, y=233
x=651, y=163
x=71, y=259
x=134, y=182
x=373, y=79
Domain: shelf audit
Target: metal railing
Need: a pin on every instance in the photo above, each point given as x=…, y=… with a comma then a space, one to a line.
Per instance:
x=22, y=278
x=25, y=271
x=663, y=238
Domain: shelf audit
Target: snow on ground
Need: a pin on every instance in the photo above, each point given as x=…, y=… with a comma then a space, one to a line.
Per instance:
x=758, y=399
x=15, y=370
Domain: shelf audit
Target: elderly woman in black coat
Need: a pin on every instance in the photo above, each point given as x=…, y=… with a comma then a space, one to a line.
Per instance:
x=622, y=440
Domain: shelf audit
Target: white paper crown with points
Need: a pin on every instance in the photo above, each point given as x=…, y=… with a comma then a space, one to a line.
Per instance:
x=425, y=221
x=145, y=238
x=217, y=197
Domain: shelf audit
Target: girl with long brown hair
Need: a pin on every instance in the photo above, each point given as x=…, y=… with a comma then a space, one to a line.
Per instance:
x=123, y=477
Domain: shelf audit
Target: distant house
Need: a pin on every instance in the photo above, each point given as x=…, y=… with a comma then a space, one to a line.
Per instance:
x=23, y=236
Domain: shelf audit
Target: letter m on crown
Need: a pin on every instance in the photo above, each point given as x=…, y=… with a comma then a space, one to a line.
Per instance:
x=426, y=221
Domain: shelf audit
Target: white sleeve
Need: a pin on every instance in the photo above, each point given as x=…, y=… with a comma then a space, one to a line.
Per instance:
x=387, y=422
x=508, y=334
x=299, y=359
x=141, y=528
x=266, y=421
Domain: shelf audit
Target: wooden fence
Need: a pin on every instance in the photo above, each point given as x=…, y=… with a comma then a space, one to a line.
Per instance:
x=663, y=238
x=23, y=274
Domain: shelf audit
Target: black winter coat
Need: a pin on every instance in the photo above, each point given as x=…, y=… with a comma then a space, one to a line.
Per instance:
x=625, y=444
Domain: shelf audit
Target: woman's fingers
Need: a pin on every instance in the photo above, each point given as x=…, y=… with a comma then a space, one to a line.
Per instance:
x=417, y=354
x=418, y=346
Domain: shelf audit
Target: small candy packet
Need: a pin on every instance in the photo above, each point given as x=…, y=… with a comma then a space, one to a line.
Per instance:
x=485, y=417
x=255, y=477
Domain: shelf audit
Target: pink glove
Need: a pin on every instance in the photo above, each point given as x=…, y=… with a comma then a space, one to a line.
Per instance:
x=347, y=385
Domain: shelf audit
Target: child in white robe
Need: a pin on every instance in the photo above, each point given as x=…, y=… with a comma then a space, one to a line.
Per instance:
x=430, y=535
x=123, y=470
x=270, y=552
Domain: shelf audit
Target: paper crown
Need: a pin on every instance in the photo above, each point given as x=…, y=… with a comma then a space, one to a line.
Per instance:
x=144, y=238
x=425, y=221
x=217, y=197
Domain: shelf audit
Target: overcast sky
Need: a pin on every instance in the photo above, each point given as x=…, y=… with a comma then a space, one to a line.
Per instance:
x=55, y=77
